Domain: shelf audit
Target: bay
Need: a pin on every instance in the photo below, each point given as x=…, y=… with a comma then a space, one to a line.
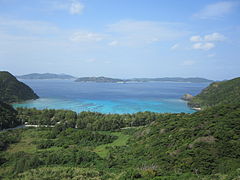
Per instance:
x=163, y=97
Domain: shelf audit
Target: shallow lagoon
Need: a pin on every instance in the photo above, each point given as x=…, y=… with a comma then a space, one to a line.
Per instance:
x=111, y=97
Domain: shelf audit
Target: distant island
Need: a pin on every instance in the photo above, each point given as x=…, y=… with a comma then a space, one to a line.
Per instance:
x=45, y=76
x=102, y=79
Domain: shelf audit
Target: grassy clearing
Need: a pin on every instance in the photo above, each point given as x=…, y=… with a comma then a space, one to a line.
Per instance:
x=103, y=151
x=26, y=143
x=33, y=134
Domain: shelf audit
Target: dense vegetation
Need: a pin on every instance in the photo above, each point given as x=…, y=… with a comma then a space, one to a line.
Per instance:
x=12, y=90
x=204, y=143
x=8, y=116
x=170, y=146
x=7, y=138
x=85, y=120
x=224, y=92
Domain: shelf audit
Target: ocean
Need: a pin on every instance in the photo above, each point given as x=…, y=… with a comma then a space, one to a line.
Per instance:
x=162, y=97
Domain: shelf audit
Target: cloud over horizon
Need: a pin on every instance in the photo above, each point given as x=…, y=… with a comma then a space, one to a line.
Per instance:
x=206, y=42
x=133, y=32
x=216, y=10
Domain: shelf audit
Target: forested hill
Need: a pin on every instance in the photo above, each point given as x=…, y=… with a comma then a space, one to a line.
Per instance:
x=186, y=146
x=12, y=90
x=8, y=116
x=225, y=92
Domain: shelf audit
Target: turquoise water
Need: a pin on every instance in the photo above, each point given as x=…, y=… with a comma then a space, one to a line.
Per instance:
x=111, y=97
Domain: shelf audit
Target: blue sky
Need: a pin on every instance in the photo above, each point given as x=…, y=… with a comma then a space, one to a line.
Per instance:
x=124, y=39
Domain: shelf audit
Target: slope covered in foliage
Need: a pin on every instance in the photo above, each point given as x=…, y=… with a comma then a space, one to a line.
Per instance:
x=204, y=143
x=12, y=90
x=224, y=92
x=8, y=116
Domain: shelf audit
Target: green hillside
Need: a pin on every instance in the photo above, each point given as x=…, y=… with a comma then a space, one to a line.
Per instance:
x=8, y=116
x=224, y=92
x=12, y=90
x=203, y=145
x=182, y=146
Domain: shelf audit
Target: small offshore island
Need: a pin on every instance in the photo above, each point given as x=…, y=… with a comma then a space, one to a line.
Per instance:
x=63, y=144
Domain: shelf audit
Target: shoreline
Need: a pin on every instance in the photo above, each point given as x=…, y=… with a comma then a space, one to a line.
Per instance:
x=40, y=106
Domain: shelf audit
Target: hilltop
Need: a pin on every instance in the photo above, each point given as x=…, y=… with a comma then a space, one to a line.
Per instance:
x=12, y=90
x=46, y=76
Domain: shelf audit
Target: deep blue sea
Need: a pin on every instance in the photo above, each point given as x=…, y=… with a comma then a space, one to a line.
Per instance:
x=111, y=97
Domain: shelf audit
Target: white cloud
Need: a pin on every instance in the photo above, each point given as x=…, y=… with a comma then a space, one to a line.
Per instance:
x=86, y=37
x=132, y=33
x=113, y=43
x=71, y=6
x=16, y=26
x=216, y=10
x=214, y=37
x=209, y=37
x=175, y=46
x=205, y=42
x=195, y=38
x=188, y=62
x=203, y=46
x=76, y=7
